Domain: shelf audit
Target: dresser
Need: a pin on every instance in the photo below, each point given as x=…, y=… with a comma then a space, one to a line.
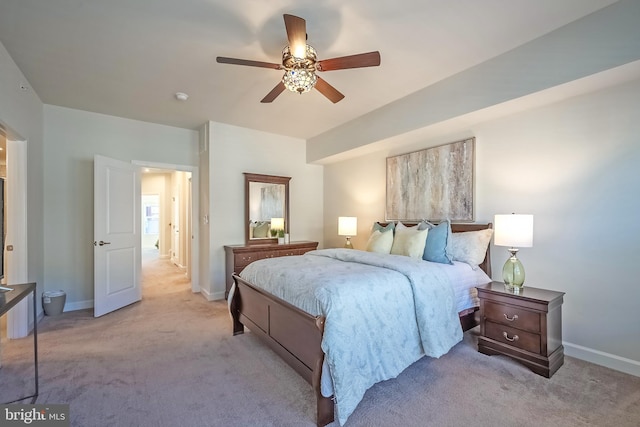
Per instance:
x=237, y=257
x=526, y=326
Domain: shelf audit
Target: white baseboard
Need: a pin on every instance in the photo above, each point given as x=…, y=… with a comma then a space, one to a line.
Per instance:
x=218, y=295
x=212, y=296
x=601, y=358
x=78, y=305
x=205, y=293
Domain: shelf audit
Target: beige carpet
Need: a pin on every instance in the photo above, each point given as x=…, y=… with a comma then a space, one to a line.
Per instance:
x=171, y=360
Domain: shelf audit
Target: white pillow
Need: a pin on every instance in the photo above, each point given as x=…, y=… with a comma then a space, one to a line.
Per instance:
x=409, y=241
x=401, y=226
x=380, y=242
x=469, y=247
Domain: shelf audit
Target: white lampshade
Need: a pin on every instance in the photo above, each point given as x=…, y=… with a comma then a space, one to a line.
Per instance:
x=513, y=230
x=277, y=223
x=347, y=226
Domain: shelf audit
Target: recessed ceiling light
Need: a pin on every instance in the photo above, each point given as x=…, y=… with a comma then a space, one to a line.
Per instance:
x=181, y=96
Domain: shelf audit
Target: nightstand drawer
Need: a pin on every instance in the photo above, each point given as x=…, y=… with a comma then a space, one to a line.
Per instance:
x=513, y=337
x=512, y=316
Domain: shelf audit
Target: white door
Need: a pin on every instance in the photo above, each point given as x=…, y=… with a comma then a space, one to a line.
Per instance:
x=116, y=235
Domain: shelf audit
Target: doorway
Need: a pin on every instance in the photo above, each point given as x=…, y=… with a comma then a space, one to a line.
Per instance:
x=150, y=221
x=17, y=322
x=170, y=210
x=127, y=216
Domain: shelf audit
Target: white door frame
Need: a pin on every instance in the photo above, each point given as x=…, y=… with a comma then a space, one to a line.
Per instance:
x=193, y=266
x=16, y=259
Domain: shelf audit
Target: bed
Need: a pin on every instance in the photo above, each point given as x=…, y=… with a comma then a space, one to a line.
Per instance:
x=296, y=334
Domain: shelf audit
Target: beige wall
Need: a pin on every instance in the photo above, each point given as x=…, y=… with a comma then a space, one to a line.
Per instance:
x=574, y=166
x=232, y=150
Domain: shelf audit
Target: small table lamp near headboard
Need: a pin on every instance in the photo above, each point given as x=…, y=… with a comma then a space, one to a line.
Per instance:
x=348, y=227
x=513, y=230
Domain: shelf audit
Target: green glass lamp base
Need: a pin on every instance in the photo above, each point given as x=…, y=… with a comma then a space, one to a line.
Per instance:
x=347, y=243
x=513, y=273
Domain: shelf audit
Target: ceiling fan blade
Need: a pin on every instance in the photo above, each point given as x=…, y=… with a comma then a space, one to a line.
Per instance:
x=370, y=59
x=274, y=93
x=329, y=91
x=297, y=35
x=235, y=61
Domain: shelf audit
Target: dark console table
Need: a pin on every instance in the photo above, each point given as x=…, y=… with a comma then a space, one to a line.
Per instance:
x=8, y=300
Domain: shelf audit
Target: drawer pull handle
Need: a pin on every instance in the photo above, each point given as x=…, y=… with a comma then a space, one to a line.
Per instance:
x=506, y=337
x=515, y=317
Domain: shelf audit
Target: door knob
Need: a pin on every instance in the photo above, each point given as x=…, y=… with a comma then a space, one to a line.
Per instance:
x=101, y=243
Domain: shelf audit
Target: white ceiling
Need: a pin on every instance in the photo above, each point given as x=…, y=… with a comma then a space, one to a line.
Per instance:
x=128, y=58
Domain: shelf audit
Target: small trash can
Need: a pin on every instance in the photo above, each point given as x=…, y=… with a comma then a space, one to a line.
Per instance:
x=53, y=302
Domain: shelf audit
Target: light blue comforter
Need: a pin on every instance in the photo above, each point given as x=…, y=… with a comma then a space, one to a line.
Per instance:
x=383, y=312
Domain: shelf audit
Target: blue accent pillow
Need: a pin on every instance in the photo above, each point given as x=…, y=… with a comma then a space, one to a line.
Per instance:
x=435, y=249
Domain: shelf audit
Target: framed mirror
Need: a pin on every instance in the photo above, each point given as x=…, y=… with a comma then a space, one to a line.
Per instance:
x=266, y=199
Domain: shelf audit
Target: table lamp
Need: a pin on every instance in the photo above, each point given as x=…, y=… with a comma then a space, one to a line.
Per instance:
x=513, y=231
x=277, y=224
x=348, y=227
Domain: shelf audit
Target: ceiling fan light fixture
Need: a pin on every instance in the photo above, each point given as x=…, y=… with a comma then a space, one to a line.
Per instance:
x=300, y=72
x=307, y=56
x=300, y=64
x=300, y=52
x=300, y=80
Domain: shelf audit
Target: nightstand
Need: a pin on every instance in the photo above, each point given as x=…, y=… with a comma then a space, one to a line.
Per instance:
x=526, y=326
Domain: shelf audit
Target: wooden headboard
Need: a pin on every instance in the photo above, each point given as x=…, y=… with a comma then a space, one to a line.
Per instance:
x=460, y=228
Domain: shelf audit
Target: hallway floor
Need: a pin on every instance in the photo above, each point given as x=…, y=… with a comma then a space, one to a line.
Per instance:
x=161, y=275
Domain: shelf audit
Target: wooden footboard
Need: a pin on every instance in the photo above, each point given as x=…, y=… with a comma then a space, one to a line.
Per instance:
x=293, y=334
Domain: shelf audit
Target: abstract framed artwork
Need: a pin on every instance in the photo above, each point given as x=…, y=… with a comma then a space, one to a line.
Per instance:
x=434, y=184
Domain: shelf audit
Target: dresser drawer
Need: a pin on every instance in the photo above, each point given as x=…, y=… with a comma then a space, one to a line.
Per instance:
x=291, y=252
x=237, y=257
x=513, y=337
x=512, y=316
x=244, y=259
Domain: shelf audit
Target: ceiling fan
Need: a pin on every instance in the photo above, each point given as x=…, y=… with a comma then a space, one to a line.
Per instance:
x=300, y=64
